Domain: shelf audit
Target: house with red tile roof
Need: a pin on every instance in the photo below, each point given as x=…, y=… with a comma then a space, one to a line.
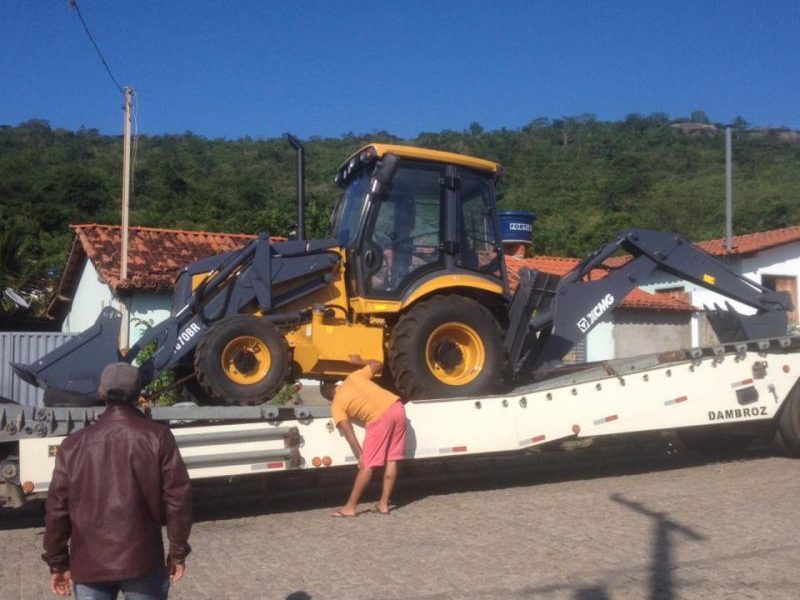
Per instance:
x=770, y=258
x=91, y=278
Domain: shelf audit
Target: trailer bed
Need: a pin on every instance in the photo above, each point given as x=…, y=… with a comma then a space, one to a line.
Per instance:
x=742, y=383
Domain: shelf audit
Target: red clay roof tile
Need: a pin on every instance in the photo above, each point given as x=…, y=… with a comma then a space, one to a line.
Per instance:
x=556, y=265
x=752, y=242
x=155, y=256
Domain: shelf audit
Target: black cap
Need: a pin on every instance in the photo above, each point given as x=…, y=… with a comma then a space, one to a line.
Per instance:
x=120, y=382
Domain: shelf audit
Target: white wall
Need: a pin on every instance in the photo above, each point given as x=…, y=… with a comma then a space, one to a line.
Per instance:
x=150, y=307
x=91, y=296
x=600, y=342
x=783, y=260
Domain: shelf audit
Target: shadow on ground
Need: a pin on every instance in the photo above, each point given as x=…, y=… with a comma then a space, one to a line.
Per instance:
x=308, y=490
x=304, y=490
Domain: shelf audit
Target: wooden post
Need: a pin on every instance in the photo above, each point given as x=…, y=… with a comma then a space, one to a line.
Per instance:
x=126, y=180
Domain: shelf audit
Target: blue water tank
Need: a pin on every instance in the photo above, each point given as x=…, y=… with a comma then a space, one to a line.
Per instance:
x=516, y=226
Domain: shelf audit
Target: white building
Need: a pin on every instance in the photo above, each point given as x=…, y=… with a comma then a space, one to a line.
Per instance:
x=770, y=258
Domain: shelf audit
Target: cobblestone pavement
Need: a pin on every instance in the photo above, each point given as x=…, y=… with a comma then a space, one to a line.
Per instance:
x=589, y=524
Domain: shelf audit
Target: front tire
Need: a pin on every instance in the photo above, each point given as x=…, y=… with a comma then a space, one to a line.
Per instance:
x=447, y=346
x=242, y=360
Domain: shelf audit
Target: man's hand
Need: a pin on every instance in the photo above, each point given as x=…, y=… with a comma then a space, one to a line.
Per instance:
x=61, y=583
x=176, y=571
x=375, y=366
x=347, y=431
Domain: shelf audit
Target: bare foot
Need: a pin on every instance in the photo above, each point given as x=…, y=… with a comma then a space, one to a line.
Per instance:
x=381, y=508
x=344, y=512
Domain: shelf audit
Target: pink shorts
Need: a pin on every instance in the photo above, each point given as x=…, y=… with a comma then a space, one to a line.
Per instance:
x=386, y=437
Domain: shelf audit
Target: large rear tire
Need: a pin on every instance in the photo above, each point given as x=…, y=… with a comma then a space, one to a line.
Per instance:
x=447, y=346
x=789, y=423
x=242, y=360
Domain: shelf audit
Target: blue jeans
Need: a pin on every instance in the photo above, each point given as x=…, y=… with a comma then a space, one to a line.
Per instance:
x=153, y=586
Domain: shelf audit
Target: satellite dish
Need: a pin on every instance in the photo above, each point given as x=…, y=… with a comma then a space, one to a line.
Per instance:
x=16, y=298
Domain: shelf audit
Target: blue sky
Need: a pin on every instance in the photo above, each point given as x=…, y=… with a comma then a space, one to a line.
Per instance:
x=248, y=68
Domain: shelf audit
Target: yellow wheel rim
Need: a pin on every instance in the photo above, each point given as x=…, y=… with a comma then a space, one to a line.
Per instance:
x=455, y=353
x=246, y=360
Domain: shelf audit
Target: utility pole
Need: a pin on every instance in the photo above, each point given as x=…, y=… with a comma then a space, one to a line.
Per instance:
x=728, y=190
x=126, y=178
x=126, y=191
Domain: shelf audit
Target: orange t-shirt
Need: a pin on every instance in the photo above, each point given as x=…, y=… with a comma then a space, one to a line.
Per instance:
x=359, y=399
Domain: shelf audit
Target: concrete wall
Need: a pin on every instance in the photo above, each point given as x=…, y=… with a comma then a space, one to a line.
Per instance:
x=644, y=332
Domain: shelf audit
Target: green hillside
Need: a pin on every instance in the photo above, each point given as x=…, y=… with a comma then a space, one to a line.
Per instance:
x=586, y=179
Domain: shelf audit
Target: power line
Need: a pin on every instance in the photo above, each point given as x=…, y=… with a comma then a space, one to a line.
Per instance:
x=74, y=4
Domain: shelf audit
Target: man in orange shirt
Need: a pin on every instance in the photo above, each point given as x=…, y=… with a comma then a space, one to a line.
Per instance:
x=359, y=398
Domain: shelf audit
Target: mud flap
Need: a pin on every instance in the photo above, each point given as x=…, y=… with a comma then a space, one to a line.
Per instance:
x=75, y=367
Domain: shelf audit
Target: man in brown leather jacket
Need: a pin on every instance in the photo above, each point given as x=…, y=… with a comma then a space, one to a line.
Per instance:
x=113, y=484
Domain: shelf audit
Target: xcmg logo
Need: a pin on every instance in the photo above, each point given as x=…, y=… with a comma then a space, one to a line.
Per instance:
x=599, y=309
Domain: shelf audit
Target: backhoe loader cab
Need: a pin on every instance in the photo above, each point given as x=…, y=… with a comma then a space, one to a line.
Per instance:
x=407, y=216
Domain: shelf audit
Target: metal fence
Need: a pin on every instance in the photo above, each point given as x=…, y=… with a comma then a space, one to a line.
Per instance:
x=25, y=347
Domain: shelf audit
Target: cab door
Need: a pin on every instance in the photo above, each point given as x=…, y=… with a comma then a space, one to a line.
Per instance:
x=403, y=239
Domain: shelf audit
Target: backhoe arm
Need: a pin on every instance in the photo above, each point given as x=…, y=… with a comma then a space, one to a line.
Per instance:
x=579, y=302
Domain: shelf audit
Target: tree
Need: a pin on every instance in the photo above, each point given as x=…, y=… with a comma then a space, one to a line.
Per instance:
x=740, y=124
x=475, y=128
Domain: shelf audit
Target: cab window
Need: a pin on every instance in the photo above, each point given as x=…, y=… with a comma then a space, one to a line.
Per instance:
x=479, y=243
x=406, y=231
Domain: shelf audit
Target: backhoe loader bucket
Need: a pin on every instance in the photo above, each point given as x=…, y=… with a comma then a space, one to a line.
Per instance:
x=731, y=326
x=73, y=369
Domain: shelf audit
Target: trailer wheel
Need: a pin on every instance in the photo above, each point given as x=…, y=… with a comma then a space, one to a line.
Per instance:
x=242, y=360
x=789, y=423
x=447, y=346
x=714, y=440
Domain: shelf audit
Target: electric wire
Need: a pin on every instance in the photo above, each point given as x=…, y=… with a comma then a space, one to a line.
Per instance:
x=74, y=4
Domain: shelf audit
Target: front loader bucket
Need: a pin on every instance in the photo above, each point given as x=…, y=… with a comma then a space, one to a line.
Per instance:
x=731, y=326
x=74, y=368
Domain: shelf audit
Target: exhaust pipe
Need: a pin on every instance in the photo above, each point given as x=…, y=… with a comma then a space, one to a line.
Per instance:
x=301, y=177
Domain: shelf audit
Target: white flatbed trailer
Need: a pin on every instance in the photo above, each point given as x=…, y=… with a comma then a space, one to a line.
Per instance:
x=734, y=385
